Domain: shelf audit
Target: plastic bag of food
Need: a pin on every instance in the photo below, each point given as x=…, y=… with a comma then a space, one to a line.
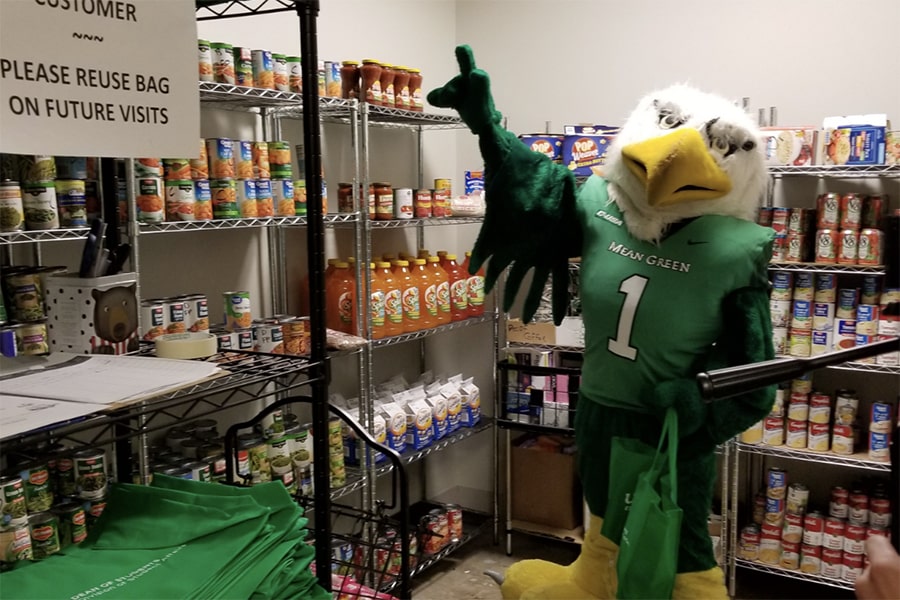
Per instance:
x=338, y=340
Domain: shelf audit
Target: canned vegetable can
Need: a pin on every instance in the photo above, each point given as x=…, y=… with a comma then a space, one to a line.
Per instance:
x=180, y=200
x=39, y=204
x=70, y=198
x=44, y=527
x=150, y=200
x=13, y=508
x=223, y=62
x=224, y=198
x=204, y=60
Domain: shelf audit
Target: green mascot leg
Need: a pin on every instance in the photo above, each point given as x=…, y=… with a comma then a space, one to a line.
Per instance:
x=591, y=576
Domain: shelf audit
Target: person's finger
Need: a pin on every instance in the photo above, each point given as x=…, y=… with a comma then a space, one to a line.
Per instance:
x=465, y=58
x=879, y=549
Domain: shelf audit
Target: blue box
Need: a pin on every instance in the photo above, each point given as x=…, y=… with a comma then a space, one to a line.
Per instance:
x=548, y=145
x=584, y=154
x=854, y=140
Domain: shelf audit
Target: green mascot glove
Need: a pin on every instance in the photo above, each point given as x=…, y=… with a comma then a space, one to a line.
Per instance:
x=525, y=193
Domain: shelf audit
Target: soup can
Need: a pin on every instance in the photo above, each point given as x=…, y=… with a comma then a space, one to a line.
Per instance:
x=245, y=195
x=200, y=165
x=820, y=408
x=796, y=434
x=859, y=507
x=839, y=506
x=39, y=204
x=854, y=539
x=852, y=566
x=150, y=200
x=793, y=528
x=880, y=512
x=828, y=211
x=833, y=536
x=152, y=319
x=264, y=197
x=810, y=559
x=797, y=499
x=224, y=198
x=748, y=548
x=879, y=446
x=180, y=200
x=70, y=198
x=813, y=528
x=842, y=439
x=817, y=437
x=790, y=555
x=782, y=285
x=826, y=287
x=832, y=561
x=773, y=431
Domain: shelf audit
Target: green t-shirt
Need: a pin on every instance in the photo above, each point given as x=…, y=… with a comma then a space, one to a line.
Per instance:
x=652, y=312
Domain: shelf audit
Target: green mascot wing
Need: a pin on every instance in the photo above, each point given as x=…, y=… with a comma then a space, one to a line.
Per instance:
x=530, y=220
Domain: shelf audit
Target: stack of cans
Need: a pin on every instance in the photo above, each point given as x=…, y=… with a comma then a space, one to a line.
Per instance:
x=176, y=314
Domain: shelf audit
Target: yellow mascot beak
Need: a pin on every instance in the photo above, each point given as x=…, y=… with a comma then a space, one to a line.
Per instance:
x=676, y=167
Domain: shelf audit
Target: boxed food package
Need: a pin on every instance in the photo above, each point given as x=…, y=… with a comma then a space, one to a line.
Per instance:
x=545, y=489
x=92, y=315
x=589, y=129
x=892, y=148
x=546, y=144
x=853, y=140
x=585, y=154
x=793, y=146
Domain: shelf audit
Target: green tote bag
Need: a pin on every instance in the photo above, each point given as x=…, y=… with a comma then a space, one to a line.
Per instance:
x=648, y=549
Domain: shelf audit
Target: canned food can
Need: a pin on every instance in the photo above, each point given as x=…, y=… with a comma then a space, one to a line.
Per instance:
x=295, y=74
x=244, y=339
x=280, y=160
x=72, y=523
x=150, y=200
x=440, y=203
x=196, y=313
x=797, y=220
x=203, y=208
x=801, y=385
x=15, y=544
x=245, y=193
x=778, y=404
x=780, y=340
x=243, y=67
x=12, y=212
x=13, y=507
x=858, y=507
x=846, y=405
x=828, y=211
x=804, y=286
x=797, y=500
x=810, y=559
x=333, y=79
x=851, y=211
x=880, y=512
x=223, y=63
x=801, y=316
x=225, y=340
x=31, y=338
x=753, y=434
x=268, y=338
x=842, y=439
x=748, y=548
x=796, y=244
x=796, y=434
x=839, y=506
x=848, y=300
x=200, y=165
x=770, y=550
x=422, y=204
x=759, y=508
x=204, y=60
x=832, y=562
x=148, y=167
x=820, y=408
x=801, y=342
x=790, y=556
x=39, y=204
x=71, y=167
x=833, y=535
x=263, y=69
x=25, y=292
x=870, y=247
x=823, y=316
x=300, y=198
x=283, y=197
x=180, y=200
x=403, y=203
x=827, y=243
x=867, y=319
x=773, y=431
x=36, y=479
x=764, y=216
x=847, y=252
x=793, y=528
x=280, y=72
x=260, y=155
x=873, y=209
x=176, y=169
x=825, y=288
x=454, y=522
x=224, y=198
x=264, y=197
x=774, y=511
x=879, y=446
x=880, y=417
x=813, y=528
x=90, y=473
x=44, y=528
x=243, y=159
x=70, y=198
x=798, y=407
x=220, y=152
x=237, y=311
x=852, y=566
x=781, y=312
x=779, y=248
x=817, y=437
x=854, y=539
x=175, y=315
x=780, y=218
x=782, y=285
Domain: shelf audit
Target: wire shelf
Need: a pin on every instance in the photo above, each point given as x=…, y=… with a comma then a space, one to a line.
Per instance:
x=47, y=235
x=514, y=425
x=822, y=268
x=799, y=575
x=408, y=337
x=521, y=346
x=843, y=171
x=395, y=223
x=214, y=224
x=208, y=10
x=857, y=461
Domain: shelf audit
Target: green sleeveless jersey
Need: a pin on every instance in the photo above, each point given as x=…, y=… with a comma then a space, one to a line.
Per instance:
x=653, y=311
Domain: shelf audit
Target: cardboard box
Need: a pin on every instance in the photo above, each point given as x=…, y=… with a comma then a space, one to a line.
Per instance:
x=585, y=154
x=853, y=140
x=789, y=146
x=569, y=333
x=546, y=144
x=97, y=315
x=892, y=148
x=545, y=488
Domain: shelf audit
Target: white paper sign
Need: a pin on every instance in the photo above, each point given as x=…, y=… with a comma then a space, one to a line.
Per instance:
x=99, y=78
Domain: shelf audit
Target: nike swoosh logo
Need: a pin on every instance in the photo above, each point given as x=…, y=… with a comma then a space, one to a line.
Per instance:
x=693, y=243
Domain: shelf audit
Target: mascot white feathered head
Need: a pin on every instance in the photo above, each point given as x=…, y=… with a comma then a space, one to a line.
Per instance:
x=684, y=153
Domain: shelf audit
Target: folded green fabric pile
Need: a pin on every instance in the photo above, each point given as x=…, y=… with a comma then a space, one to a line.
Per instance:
x=182, y=539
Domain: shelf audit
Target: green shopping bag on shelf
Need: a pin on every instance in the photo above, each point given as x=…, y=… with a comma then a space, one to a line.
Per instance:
x=648, y=549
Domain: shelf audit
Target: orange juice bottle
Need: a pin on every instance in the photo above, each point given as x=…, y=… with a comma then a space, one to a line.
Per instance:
x=423, y=253
x=339, y=299
x=304, y=286
x=427, y=294
x=442, y=290
x=409, y=290
x=390, y=258
x=377, y=290
x=459, y=289
x=475, y=288
x=442, y=255
x=393, y=302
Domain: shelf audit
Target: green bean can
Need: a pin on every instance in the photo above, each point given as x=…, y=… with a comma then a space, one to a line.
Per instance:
x=39, y=203
x=65, y=476
x=15, y=544
x=260, y=470
x=90, y=474
x=93, y=509
x=44, y=527
x=72, y=523
x=38, y=496
x=13, y=510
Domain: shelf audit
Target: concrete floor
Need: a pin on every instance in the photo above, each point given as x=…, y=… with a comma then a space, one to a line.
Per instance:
x=461, y=575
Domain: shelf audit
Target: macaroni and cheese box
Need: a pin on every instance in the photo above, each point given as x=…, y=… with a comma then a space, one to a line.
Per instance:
x=853, y=140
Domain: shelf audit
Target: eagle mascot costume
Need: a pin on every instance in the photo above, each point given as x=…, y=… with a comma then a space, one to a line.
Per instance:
x=673, y=282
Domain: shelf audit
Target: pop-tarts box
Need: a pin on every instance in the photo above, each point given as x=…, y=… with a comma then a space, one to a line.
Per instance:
x=590, y=129
x=854, y=140
x=585, y=154
x=547, y=144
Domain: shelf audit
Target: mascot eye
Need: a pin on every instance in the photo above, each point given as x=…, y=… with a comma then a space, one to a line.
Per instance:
x=748, y=146
x=720, y=145
x=668, y=120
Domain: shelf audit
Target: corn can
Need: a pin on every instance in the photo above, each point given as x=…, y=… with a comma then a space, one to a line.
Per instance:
x=264, y=199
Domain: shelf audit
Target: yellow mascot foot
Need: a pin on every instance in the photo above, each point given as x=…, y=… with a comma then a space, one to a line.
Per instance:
x=700, y=585
x=591, y=576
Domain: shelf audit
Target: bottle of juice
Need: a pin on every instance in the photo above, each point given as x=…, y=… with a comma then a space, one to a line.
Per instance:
x=409, y=290
x=339, y=299
x=304, y=287
x=475, y=288
x=442, y=256
x=427, y=294
x=442, y=290
x=459, y=293
x=423, y=253
x=393, y=303
x=377, y=291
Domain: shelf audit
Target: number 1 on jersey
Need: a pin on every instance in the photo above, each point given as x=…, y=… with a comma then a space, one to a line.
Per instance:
x=633, y=288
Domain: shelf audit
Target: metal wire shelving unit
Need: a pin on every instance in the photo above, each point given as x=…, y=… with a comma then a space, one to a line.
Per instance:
x=842, y=171
x=825, y=268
